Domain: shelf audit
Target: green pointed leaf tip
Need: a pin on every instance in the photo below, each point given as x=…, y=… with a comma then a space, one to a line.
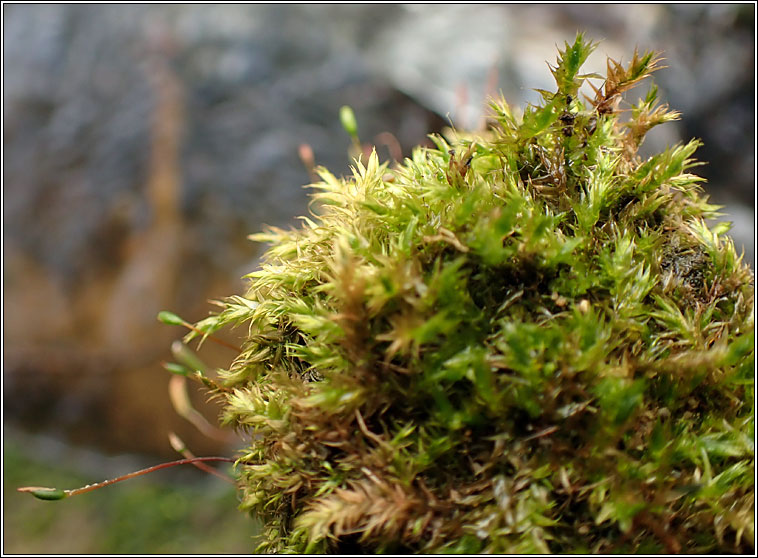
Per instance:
x=527, y=339
x=169, y=318
x=349, y=123
x=569, y=62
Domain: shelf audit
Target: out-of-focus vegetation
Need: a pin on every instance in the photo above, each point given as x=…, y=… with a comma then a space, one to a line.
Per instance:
x=152, y=515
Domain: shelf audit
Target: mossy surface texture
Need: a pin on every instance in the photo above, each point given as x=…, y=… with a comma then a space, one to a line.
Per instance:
x=523, y=340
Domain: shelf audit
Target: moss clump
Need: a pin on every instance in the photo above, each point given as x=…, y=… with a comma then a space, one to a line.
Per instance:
x=524, y=340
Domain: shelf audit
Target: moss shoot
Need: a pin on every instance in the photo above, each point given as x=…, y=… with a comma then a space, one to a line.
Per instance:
x=524, y=340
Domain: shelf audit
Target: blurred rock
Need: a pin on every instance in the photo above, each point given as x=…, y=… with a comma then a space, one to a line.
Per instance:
x=144, y=142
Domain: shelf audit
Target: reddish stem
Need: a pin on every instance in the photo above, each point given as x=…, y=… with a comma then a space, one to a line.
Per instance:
x=192, y=461
x=212, y=338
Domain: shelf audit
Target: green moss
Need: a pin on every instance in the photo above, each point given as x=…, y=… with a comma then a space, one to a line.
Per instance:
x=521, y=340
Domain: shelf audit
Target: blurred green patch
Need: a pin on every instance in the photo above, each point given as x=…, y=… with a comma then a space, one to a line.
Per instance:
x=141, y=516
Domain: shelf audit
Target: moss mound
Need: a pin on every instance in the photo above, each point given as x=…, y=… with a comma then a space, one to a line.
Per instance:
x=522, y=340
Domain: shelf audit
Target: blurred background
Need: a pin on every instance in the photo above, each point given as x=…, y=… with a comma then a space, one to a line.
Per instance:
x=142, y=143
